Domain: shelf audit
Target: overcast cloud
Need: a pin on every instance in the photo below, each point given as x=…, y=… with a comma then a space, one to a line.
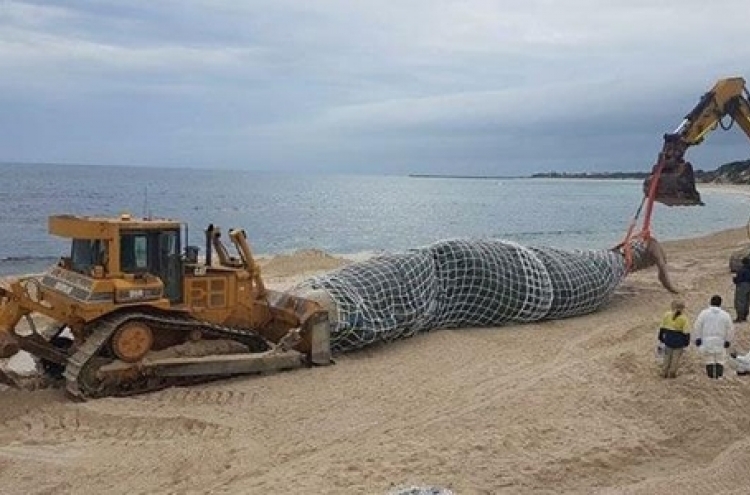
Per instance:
x=427, y=86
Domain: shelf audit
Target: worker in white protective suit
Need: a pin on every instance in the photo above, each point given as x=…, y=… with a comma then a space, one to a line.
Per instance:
x=714, y=331
x=742, y=363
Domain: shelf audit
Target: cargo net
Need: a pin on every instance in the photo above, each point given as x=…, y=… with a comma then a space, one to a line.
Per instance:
x=463, y=283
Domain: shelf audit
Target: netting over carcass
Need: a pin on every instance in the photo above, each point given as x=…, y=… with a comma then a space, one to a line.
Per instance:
x=463, y=283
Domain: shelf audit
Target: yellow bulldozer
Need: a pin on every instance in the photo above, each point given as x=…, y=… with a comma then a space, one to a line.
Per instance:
x=133, y=311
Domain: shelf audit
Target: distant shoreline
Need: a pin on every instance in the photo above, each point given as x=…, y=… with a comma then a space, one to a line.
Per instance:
x=614, y=176
x=553, y=175
x=451, y=176
x=601, y=178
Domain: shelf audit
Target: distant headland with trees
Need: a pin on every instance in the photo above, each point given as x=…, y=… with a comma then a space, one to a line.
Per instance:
x=729, y=173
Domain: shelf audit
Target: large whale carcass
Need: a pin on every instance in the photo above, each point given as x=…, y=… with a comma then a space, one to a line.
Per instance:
x=472, y=283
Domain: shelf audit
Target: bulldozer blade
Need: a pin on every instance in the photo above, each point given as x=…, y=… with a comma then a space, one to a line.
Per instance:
x=207, y=366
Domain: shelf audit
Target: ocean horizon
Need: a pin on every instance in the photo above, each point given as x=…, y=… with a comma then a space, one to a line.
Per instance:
x=340, y=214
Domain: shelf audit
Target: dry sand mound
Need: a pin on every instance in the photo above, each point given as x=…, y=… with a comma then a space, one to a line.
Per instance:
x=288, y=269
x=569, y=406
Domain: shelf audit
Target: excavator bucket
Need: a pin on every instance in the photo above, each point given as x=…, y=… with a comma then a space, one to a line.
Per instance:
x=675, y=186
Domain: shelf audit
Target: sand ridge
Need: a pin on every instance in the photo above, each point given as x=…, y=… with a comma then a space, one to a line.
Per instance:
x=569, y=406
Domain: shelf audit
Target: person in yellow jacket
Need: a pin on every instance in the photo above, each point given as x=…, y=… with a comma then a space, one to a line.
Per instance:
x=673, y=333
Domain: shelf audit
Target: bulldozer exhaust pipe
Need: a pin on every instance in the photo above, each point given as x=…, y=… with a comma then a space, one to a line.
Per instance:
x=209, y=244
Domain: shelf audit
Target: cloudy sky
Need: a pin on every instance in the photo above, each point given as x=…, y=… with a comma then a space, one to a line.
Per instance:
x=408, y=86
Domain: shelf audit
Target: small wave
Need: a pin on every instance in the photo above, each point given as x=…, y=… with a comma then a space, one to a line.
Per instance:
x=545, y=233
x=26, y=259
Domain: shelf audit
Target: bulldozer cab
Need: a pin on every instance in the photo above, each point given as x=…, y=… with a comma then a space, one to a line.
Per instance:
x=123, y=248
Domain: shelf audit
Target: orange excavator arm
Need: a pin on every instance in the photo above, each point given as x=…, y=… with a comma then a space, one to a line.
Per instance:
x=728, y=97
x=672, y=181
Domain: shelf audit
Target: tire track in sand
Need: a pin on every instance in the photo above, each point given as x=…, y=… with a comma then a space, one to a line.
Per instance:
x=77, y=422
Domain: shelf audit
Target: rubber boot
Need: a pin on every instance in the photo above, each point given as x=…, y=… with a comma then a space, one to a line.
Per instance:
x=719, y=370
x=711, y=370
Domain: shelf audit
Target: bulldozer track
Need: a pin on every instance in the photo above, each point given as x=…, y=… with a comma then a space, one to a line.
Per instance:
x=104, y=328
x=80, y=364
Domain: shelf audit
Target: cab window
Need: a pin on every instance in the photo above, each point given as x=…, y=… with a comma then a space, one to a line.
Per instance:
x=134, y=253
x=85, y=254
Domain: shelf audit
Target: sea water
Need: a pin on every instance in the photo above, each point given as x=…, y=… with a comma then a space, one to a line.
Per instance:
x=340, y=214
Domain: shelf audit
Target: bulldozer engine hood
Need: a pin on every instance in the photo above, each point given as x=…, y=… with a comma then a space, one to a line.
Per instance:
x=74, y=285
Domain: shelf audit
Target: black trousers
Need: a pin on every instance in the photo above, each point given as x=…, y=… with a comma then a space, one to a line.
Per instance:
x=742, y=300
x=715, y=371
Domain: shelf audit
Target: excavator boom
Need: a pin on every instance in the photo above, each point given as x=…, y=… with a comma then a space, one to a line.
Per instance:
x=728, y=97
x=672, y=181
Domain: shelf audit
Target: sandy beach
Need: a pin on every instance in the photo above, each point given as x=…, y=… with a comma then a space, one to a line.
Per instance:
x=569, y=406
